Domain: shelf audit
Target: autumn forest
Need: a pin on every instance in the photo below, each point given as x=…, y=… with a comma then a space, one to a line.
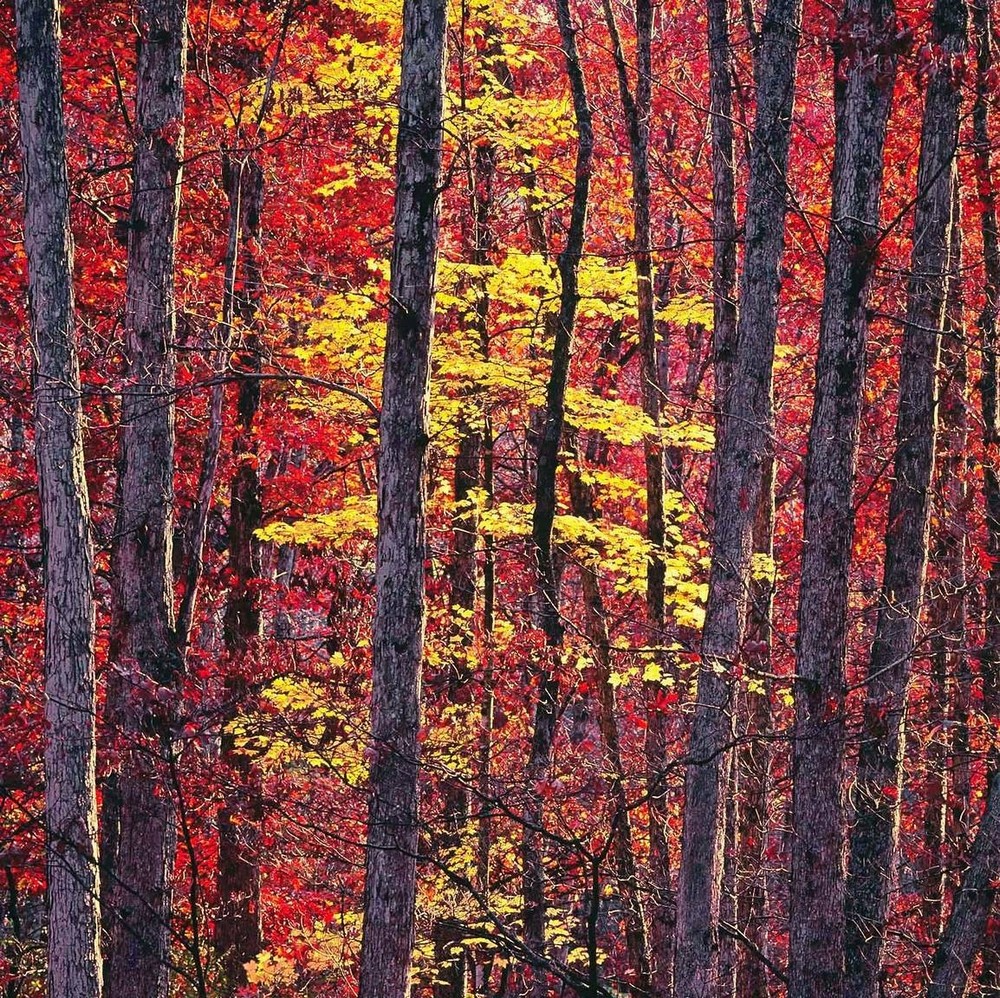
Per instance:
x=499, y=498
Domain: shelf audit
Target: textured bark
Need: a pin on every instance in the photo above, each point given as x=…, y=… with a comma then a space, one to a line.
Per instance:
x=237, y=921
x=724, y=274
x=746, y=805
x=452, y=974
x=723, y=201
x=947, y=613
x=562, y=326
x=878, y=783
x=583, y=504
x=73, y=959
x=753, y=761
x=990, y=381
x=636, y=107
x=865, y=64
x=398, y=634
x=143, y=644
x=966, y=932
x=744, y=442
x=963, y=935
x=197, y=531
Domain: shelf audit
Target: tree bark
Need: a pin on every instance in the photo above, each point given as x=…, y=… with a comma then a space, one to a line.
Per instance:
x=143, y=641
x=753, y=758
x=543, y=733
x=878, y=783
x=947, y=609
x=636, y=107
x=865, y=66
x=724, y=223
x=583, y=504
x=744, y=441
x=452, y=973
x=73, y=967
x=963, y=936
x=398, y=634
x=965, y=932
x=237, y=923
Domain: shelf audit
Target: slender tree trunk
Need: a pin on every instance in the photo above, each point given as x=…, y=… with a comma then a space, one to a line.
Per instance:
x=990, y=380
x=948, y=607
x=636, y=108
x=543, y=735
x=744, y=442
x=583, y=504
x=73, y=955
x=724, y=226
x=753, y=757
x=878, y=783
x=864, y=69
x=237, y=922
x=724, y=232
x=452, y=971
x=398, y=637
x=963, y=936
x=746, y=805
x=143, y=640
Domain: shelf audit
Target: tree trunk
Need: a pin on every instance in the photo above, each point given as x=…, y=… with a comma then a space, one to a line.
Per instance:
x=143, y=643
x=636, y=108
x=878, y=783
x=724, y=273
x=622, y=849
x=452, y=973
x=963, y=936
x=724, y=224
x=237, y=922
x=744, y=442
x=865, y=65
x=398, y=635
x=948, y=604
x=753, y=757
x=73, y=961
x=543, y=734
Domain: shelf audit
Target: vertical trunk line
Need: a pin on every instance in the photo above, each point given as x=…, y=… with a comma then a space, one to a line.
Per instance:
x=743, y=446
x=965, y=931
x=879, y=778
x=238, y=933
x=143, y=643
x=388, y=929
x=543, y=736
x=864, y=74
x=73, y=950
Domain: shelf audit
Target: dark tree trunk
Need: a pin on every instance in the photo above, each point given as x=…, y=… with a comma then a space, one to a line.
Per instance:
x=753, y=758
x=398, y=635
x=876, y=821
x=143, y=640
x=562, y=325
x=990, y=380
x=865, y=67
x=744, y=443
x=947, y=610
x=636, y=107
x=724, y=224
x=965, y=932
x=452, y=971
x=237, y=921
x=583, y=504
x=990, y=394
x=963, y=936
x=73, y=961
